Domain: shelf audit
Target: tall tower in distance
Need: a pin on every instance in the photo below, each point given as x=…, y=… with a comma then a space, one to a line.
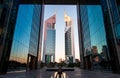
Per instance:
x=49, y=40
x=69, y=40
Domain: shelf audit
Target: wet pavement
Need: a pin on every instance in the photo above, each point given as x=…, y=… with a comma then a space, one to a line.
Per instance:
x=78, y=73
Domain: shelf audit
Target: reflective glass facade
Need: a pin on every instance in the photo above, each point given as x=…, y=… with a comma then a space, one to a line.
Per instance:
x=50, y=41
x=94, y=37
x=112, y=19
x=86, y=29
x=8, y=9
x=115, y=12
x=3, y=15
x=20, y=45
x=118, y=26
x=34, y=36
x=50, y=45
x=26, y=38
x=68, y=42
x=69, y=45
x=96, y=25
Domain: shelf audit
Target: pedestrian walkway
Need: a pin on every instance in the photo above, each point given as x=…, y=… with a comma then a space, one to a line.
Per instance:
x=78, y=73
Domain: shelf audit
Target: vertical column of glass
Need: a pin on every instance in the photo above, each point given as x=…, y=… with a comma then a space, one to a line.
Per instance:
x=86, y=35
x=80, y=36
x=95, y=51
x=8, y=20
x=21, y=39
x=112, y=21
x=34, y=35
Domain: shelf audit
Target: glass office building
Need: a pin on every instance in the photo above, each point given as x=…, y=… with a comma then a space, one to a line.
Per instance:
x=49, y=40
x=86, y=36
x=94, y=36
x=20, y=45
x=69, y=40
x=68, y=46
x=33, y=54
x=20, y=28
x=99, y=38
x=112, y=19
x=8, y=14
x=50, y=46
x=26, y=37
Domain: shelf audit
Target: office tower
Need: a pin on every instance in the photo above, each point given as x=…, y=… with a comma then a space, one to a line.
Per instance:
x=49, y=40
x=33, y=56
x=20, y=45
x=8, y=14
x=111, y=13
x=69, y=40
x=94, y=35
x=24, y=52
x=86, y=38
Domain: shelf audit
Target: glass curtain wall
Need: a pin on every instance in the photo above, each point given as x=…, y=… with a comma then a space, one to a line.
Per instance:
x=26, y=37
x=112, y=20
x=95, y=52
x=8, y=15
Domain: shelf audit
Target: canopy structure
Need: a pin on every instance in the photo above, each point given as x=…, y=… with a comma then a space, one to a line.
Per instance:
x=66, y=2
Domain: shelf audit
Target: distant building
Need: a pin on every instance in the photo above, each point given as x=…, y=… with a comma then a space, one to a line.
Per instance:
x=94, y=50
x=77, y=60
x=69, y=40
x=49, y=40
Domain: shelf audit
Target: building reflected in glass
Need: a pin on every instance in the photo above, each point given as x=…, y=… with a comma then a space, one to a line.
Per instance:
x=20, y=45
x=26, y=37
x=94, y=36
x=112, y=27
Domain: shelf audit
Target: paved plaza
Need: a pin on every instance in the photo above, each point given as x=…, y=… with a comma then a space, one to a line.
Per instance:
x=78, y=73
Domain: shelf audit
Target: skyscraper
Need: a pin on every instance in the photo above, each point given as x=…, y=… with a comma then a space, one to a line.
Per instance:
x=49, y=40
x=111, y=13
x=24, y=51
x=69, y=40
x=94, y=35
x=34, y=38
x=19, y=36
x=86, y=38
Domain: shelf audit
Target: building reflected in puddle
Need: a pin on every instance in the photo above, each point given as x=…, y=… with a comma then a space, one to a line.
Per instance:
x=56, y=75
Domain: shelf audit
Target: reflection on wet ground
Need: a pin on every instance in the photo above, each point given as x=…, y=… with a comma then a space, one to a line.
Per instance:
x=63, y=75
x=78, y=73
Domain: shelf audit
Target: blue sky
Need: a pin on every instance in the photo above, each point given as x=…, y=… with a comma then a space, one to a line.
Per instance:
x=20, y=45
x=60, y=27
